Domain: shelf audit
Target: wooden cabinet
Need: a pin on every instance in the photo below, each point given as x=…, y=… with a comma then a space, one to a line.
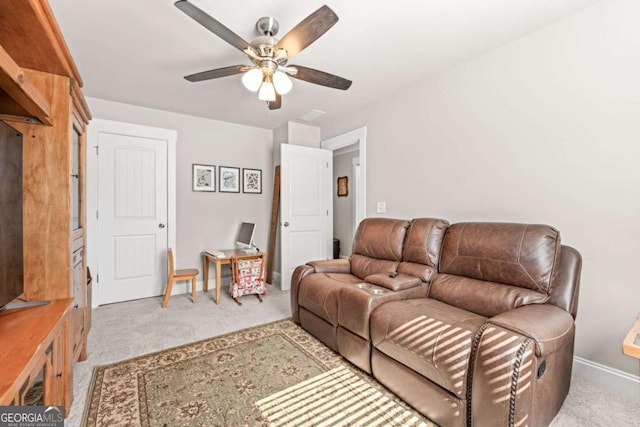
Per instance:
x=40, y=96
x=33, y=348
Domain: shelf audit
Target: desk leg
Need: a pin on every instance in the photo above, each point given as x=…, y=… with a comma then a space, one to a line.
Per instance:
x=205, y=269
x=218, y=280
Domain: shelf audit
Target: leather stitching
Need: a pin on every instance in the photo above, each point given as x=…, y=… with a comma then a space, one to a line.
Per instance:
x=470, y=368
x=514, y=380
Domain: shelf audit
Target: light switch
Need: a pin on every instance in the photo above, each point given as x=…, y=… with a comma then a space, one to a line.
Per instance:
x=381, y=207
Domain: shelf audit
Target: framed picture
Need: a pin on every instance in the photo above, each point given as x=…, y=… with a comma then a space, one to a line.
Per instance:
x=343, y=186
x=229, y=179
x=204, y=178
x=252, y=181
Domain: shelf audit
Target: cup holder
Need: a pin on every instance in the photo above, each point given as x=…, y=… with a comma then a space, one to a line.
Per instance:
x=376, y=291
x=362, y=286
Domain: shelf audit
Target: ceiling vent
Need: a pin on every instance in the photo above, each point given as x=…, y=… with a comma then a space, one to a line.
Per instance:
x=312, y=115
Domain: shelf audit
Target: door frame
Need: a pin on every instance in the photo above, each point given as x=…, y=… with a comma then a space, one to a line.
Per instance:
x=354, y=136
x=95, y=127
x=357, y=185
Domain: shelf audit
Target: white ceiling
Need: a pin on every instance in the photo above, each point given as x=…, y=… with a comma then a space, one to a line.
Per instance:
x=137, y=51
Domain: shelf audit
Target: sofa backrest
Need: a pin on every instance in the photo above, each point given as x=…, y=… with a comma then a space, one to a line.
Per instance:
x=377, y=246
x=489, y=268
x=422, y=246
x=566, y=282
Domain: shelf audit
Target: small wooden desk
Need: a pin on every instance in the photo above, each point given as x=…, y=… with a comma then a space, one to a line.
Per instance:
x=220, y=261
x=631, y=345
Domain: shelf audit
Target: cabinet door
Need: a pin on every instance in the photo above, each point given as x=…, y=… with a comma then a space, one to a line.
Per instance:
x=78, y=312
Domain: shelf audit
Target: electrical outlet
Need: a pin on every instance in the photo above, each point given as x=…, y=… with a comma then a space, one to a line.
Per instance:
x=381, y=207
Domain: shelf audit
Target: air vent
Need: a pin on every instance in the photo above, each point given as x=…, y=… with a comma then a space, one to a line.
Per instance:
x=312, y=115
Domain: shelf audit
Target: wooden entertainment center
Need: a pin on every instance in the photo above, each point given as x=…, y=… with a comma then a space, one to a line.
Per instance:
x=40, y=96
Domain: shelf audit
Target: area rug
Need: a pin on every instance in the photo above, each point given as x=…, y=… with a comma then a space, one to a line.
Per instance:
x=272, y=375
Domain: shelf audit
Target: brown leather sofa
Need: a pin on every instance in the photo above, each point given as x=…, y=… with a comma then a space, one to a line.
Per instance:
x=477, y=327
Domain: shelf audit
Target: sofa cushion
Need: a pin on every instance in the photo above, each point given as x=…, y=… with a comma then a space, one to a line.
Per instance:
x=424, y=241
x=377, y=246
x=430, y=337
x=521, y=255
x=479, y=296
x=318, y=293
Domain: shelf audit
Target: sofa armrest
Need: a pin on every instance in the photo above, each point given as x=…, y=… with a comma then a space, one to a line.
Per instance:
x=550, y=327
x=398, y=283
x=299, y=273
x=342, y=265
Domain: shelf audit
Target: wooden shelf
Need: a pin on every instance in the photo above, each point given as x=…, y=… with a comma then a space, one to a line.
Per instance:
x=31, y=40
x=19, y=99
x=32, y=340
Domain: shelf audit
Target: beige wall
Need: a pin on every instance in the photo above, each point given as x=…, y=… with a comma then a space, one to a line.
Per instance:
x=207, y=220
x=543, y=130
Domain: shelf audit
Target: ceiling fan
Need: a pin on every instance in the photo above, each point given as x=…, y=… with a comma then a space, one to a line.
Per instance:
x=269, y=73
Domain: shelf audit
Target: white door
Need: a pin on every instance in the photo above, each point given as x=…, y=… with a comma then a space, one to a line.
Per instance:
x=133, y=211
x=305, y=206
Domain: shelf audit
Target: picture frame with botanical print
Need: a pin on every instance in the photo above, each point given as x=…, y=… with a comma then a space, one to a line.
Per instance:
x=343, y=186
x=229, y=181
x=252, y=181
x=204, y=177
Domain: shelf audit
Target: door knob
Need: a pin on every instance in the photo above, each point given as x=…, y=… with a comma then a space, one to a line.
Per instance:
x=161, y=225
x=286, y=224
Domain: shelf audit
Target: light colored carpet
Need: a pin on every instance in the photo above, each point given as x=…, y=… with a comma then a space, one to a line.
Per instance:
x=124, y=330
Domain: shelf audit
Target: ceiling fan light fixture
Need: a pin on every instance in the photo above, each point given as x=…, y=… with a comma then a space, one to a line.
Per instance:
x=282, y=82
x=252, y=79
x=267, y=91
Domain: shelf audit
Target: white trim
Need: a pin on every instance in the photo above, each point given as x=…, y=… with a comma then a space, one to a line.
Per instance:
x=93, y=129
x=605, y=376
x=357, y=190
x=348, y=149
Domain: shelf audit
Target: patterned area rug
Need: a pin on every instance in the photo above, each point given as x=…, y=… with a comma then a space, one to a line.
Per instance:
x=272, y=375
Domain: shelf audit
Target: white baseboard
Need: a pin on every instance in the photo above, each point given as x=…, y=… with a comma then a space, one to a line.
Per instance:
x=605, y=376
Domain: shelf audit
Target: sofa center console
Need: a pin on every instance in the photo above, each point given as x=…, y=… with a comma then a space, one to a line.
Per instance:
x=356, y=303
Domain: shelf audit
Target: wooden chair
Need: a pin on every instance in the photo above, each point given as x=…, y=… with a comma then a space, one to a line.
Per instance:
x=247, y=276
x=185, y=274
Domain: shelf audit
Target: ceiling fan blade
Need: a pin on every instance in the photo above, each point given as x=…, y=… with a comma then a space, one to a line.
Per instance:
x=320, y=78
x=212, y=24
x=217, y=73
x=275, y=105
x=307, y=31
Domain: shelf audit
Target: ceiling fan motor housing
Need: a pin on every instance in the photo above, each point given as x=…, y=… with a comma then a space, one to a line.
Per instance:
x=268, y=26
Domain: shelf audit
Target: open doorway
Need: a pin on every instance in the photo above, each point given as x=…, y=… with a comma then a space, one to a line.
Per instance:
x=349, y=207
x=346, y=164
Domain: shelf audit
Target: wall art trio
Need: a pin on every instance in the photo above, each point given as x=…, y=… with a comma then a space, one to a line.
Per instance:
x=228, y=179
